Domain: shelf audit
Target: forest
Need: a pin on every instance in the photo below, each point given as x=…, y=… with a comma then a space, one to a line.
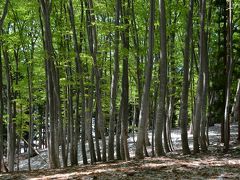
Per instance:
x=101, y=82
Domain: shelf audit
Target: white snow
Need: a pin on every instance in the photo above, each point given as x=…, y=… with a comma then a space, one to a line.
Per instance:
x=39, y=162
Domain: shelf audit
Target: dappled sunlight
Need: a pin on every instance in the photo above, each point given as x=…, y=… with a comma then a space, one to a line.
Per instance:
x=170, y=166
x=74, y=174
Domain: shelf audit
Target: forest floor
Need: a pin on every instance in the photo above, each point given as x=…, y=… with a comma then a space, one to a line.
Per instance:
x=213, y=164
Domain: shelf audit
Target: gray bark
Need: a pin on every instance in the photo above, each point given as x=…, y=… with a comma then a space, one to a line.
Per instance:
x=2, y=18
x=183, y=115
x=114, y=84
x=125, y=83
x=10, y=127
x=89, y=111
x=229, y=80
x=51, y=86
x=92, y=33
x=161, y=110
x=144, y=113
x=79, y=70
x=199, y=95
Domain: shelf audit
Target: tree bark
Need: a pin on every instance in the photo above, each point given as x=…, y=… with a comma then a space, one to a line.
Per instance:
x=161, y=110
x=125, y=81
x=92, y=34
x=11, y=139
x=199, y=97
x=89, y=112
x=229, y=80
x=79, y=70
x=114, y=84
x=2, y=18
x=51, y=86
x=183, y=115
x=144, y=112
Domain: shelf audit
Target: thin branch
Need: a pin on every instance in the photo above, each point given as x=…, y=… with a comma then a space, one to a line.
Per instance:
x=4, y=13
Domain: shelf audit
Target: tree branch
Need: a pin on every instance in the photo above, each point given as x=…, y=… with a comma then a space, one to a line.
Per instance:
x=4, y=13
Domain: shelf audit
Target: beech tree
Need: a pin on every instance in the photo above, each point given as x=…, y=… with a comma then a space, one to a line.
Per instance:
x=114, y=84
x=3, y=16
x=143, y=115
x=183, y=115
x=52, y=96
x=83, y=79
x=161, y=111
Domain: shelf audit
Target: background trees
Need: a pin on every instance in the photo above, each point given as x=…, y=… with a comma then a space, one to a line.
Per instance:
x=3, y=16
x=61, y=63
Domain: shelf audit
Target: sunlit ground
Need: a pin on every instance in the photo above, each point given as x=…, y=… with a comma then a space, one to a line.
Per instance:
x=211, y=165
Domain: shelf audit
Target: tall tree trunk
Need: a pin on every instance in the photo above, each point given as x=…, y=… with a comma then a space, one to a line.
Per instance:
x=89, y=112
x=11, y=139
x=51, y=86
x=97, y=135
x=2, y=18
x=1, y=111
x=144, y=112
x=224, y=10
x=137, y=57
x=199, y=97
x=30, y=139
x=71, y=120
x=171, y=89
x=236, y=108
x=92, y=33
x=238, y=119
x=229, y=79
x=79, y=70
x=114, y=84
x=183, y=115
x=208, y=95
x=125, y=81
x=118, y=133
x=161, y=110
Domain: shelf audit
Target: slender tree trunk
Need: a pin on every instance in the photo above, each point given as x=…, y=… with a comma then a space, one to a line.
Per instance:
x=155, y=104
x=236, y=109
x=224, y=10
x=11, y=141
x=161, y=110
x=183, y=115
x=114, y=84
x=238, y=119
x=89, y=112
x=208, y=98
x=67, y=127
x=2, y=18
x=71, y=120
x=125, y=81
x=79, y=70
x=144, y=112
x=30, y=140
x=137, y=57
x=199, y=97
x=171, y=89
x=118, y=133
x=1, y=111
x=229, y=80
x=92, y=33
x=51, y=86
x=97, y=136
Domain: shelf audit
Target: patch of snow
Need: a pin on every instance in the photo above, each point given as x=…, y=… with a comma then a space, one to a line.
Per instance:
x=40, y=161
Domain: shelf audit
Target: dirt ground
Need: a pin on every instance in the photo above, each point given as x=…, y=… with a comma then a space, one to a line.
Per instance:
x=211, y=165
